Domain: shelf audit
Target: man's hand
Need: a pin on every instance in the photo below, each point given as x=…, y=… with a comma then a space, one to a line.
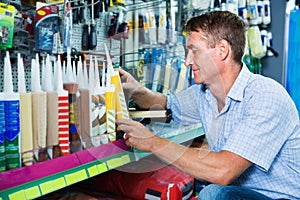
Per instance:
x=136, y=134
x=144, y=97
x=129, y=84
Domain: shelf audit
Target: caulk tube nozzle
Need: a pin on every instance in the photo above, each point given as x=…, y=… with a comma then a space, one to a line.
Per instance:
x=7, y=85
x=79, y=78
x=48, y=76
x=21, y=76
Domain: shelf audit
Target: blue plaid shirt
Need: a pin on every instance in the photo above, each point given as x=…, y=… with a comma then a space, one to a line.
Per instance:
x=258, y=122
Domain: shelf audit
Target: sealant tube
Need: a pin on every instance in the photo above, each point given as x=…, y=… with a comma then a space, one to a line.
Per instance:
x=25, y=117
x=12, y=118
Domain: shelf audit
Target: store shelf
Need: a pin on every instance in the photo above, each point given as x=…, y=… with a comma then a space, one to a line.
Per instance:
x=42, y=178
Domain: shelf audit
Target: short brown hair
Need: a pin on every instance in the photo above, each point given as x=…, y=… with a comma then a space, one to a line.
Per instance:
x=217, y=25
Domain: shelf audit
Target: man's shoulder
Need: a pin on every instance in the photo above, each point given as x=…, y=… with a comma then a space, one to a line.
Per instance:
x=260, y=83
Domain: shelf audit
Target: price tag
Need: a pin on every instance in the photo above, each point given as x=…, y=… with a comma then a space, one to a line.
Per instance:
x=59, y=183
x=71, y=178
x=47, y=187
x=102, y=168
x=125, y=159
x=32, y=193
x=93, y=171
x=81, y=175
x=113, y=163
x=17, y=195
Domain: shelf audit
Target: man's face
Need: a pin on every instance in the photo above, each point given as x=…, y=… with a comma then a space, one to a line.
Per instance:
x=201, y=58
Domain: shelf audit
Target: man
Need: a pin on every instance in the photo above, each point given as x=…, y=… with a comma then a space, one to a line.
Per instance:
x=251, y=123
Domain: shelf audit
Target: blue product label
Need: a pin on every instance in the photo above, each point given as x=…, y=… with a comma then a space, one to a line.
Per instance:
x=2, y=122
x=12, y=103
x=12, y=107
x=12, y=121
x=12, y=132
x=2, y=133
x=253, y=12
x=1, y=105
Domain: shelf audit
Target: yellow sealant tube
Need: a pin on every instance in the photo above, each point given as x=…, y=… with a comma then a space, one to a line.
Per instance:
x=121, y=106
x=110, y=112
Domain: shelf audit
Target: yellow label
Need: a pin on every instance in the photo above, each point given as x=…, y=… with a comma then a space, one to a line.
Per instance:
x=102, y=168
x=47, y=187
x=115, y=80
x=125, y=159
x=110, y=101
x=59, y=183
x=41, y=12
x=93, y=171
x=32, y=193
x=113, y=163
x=71, y=178
x=17, y=195
x=81, y=175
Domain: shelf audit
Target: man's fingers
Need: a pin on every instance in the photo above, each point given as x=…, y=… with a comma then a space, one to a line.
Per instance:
x=124, y=122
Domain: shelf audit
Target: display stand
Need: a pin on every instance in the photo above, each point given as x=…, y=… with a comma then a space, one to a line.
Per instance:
x=42, y=178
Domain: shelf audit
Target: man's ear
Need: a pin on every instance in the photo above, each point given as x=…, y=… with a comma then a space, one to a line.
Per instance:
x=223, y=49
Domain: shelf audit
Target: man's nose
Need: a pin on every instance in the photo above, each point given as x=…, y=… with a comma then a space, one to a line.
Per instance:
x=188, y=60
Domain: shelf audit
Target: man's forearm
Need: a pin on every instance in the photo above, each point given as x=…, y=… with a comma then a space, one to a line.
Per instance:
x=147, y=99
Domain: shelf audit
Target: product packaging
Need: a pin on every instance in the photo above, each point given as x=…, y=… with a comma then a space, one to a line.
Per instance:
x=7, y=13
x=46, y=26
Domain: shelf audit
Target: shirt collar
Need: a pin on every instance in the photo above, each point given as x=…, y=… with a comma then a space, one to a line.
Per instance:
x=237, y=90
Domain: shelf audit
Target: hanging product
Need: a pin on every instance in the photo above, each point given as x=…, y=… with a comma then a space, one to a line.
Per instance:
x=254, y=42
x=266, y=19
x=260, y=11
x=252, y=12
x=85, y=37
x=264, y=39
x=243, y=10
x=232, y=6
x=46, y=26
x=93, y=34
x=67, y=43
x=7, y=13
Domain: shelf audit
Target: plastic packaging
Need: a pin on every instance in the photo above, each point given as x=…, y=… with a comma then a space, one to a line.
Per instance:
x=252, y=11
x=7, y=13
x=267, y=13
x=254, y=42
